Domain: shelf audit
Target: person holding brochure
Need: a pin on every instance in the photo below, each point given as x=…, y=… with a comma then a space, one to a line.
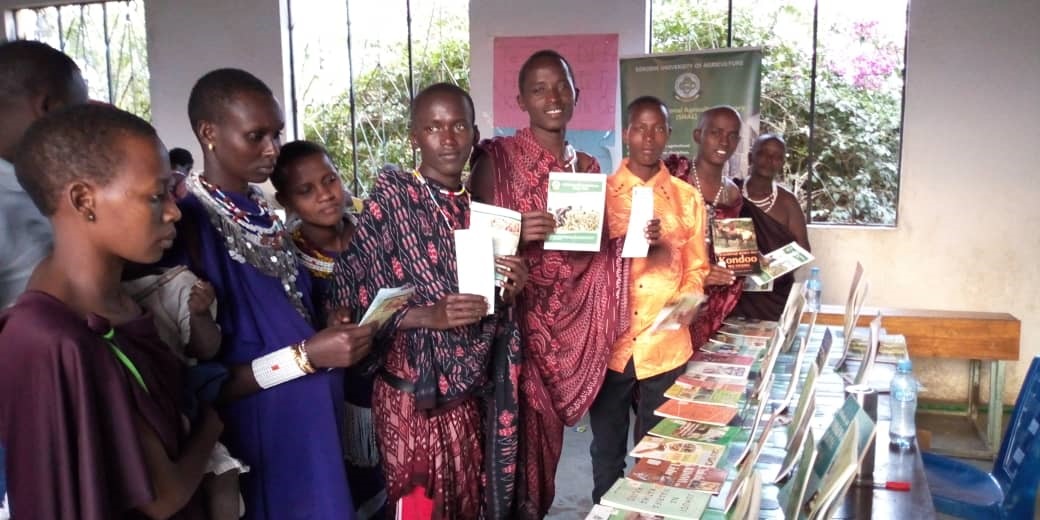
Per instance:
x=445, y=397
x=575, y=305
x=284, y=394
x=778, y=220
x=309, y=188
x=643, y=364
x=717, y=135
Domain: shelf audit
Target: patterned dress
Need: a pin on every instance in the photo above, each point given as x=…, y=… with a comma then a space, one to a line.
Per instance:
x=573, y=308
x=445, y=401
x=720, y=299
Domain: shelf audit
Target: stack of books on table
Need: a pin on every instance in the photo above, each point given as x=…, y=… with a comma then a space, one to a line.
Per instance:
x=698, y=462
x=704, y=459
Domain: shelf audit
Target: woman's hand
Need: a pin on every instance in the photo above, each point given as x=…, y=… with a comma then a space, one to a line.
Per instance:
x=340, y=345
x=514, y=268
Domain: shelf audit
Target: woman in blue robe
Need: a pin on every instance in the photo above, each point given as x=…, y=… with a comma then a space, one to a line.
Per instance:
x=285, y=427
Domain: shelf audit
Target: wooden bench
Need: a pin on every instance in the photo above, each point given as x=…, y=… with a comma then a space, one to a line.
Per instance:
x=975, y=336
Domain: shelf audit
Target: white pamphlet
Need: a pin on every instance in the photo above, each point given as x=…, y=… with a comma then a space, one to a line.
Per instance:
x=475, y=260
x=642, y=212
x=504, y=226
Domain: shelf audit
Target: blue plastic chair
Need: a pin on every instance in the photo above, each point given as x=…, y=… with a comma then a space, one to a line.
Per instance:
x=1009, y=491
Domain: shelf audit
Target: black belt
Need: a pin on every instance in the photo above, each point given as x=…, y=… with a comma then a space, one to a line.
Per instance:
x=403, y=385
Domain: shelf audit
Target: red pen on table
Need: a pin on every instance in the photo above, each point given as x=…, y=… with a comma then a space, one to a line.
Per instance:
x=893, y=486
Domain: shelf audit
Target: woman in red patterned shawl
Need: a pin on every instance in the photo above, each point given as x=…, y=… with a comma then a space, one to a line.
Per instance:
x=717, y=136
x=573, y=306
x=445, y=397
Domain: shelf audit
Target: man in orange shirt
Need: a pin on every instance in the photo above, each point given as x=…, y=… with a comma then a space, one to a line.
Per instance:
x=643, y=365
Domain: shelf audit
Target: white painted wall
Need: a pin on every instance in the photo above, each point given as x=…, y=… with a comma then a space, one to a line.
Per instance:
x=187, y=38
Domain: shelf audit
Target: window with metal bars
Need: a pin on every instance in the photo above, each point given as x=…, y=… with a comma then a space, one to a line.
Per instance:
x=107, y=41
x=832, y=85
x=355, y=67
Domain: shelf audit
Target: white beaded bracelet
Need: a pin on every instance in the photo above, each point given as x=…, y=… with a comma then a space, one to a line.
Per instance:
x=276, y=368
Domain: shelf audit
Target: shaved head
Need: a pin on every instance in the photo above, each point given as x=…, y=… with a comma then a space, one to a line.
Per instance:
x=720, y=110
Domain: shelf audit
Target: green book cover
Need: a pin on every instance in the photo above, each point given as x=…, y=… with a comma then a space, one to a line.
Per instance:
x=695, y=432
x=792, y=495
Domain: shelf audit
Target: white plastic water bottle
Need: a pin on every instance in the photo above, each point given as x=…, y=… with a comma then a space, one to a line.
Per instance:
x=902, y=429
x=814, y=288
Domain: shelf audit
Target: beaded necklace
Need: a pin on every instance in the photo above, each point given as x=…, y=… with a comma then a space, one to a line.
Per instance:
x=258, y=239
x=765, y=204
x=429, y=192
x=312, y=257
x=710, y=235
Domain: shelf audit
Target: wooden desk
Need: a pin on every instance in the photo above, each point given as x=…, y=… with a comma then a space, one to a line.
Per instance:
x=975, y=336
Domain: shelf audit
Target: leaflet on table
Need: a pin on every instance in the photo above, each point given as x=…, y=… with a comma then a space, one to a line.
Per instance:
x=792, y=494
x=642, y=212
x=475, y=261
x=686, y=476
x=577, y=203
x=504, y=226
x=678, y=451
x=602, y=512
x=850, y=425
x=697, y=412
x=799, y=426
x=675, y=315
x=386, y=303
x=727, y=359
x=655, y=499
x=853, y=307
x=740, y=321
x=780, y=262
x=725, y=396
x=694, y=431
x=823, y=489
x=735, y=246
x=726, y=371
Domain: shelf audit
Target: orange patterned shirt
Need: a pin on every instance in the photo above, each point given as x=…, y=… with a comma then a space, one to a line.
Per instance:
x=677, y=265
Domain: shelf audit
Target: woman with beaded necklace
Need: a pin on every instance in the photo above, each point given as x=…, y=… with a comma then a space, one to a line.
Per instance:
x=716, y=135
x=309, y=188
x=283, y=415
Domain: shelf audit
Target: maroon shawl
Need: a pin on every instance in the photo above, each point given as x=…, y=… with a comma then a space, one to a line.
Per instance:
x=573, y=308
x=68, y=411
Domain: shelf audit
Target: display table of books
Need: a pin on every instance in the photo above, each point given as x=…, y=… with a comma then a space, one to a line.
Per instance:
x=772, y=420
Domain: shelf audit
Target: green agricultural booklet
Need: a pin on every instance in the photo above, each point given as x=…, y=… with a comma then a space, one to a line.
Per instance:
x=695, y=432
x=577, y=201
x=665, y=501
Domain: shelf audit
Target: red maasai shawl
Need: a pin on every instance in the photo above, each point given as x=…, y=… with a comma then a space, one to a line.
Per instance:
x=572, y=310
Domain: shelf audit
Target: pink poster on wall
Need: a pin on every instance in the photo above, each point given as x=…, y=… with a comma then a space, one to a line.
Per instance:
x=594, y=58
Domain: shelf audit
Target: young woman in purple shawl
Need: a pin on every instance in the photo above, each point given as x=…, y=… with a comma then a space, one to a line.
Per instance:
x=89, y=407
